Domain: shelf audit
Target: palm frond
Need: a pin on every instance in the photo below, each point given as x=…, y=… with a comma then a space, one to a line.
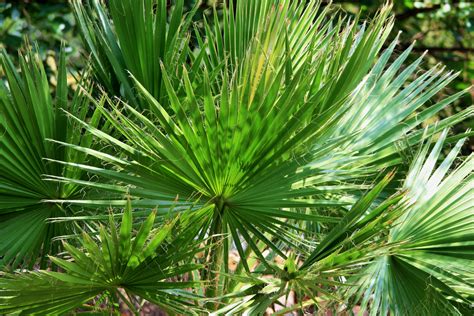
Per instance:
x=119, y=262
x=431, y=270
x=357, y=240
x=134, y=37
x=30, y=116
x=267, y=138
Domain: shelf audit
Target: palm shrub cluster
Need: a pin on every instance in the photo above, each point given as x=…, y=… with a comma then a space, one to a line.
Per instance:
x=289, y=141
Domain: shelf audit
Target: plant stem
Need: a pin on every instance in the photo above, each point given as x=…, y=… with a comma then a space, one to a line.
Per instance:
x=128, y=301
x=216, y=254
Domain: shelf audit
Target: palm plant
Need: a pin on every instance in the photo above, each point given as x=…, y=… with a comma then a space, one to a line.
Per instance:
x=266, y=139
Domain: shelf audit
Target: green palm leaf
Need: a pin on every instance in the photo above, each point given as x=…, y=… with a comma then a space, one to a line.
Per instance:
x=121, y=263
x=29, y=115
x=357, y=240
x=431, y=270
x=135, y=37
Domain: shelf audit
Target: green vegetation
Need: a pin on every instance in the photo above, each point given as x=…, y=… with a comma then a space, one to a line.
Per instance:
x=272, y=157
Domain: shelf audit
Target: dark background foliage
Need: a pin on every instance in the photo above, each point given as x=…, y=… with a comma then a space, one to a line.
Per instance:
x=443, y=28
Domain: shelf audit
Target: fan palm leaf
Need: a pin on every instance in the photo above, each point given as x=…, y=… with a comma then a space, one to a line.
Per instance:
x=357, y=240
x=267, y=139
x=30, y=116
x=431, y=270
x=409, y=254
x=121, y=263
x=134, y=37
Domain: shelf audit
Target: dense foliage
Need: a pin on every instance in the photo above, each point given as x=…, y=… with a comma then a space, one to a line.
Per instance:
x=275, y=156
x=443, y=28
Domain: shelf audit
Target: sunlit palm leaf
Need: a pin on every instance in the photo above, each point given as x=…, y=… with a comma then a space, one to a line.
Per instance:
x=267, y=138
x=431, y=271
x=352, y=244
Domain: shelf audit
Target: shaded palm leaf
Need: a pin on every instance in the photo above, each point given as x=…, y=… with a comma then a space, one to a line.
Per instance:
x=119, y=262
x=134, y=38
x=29, y=116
